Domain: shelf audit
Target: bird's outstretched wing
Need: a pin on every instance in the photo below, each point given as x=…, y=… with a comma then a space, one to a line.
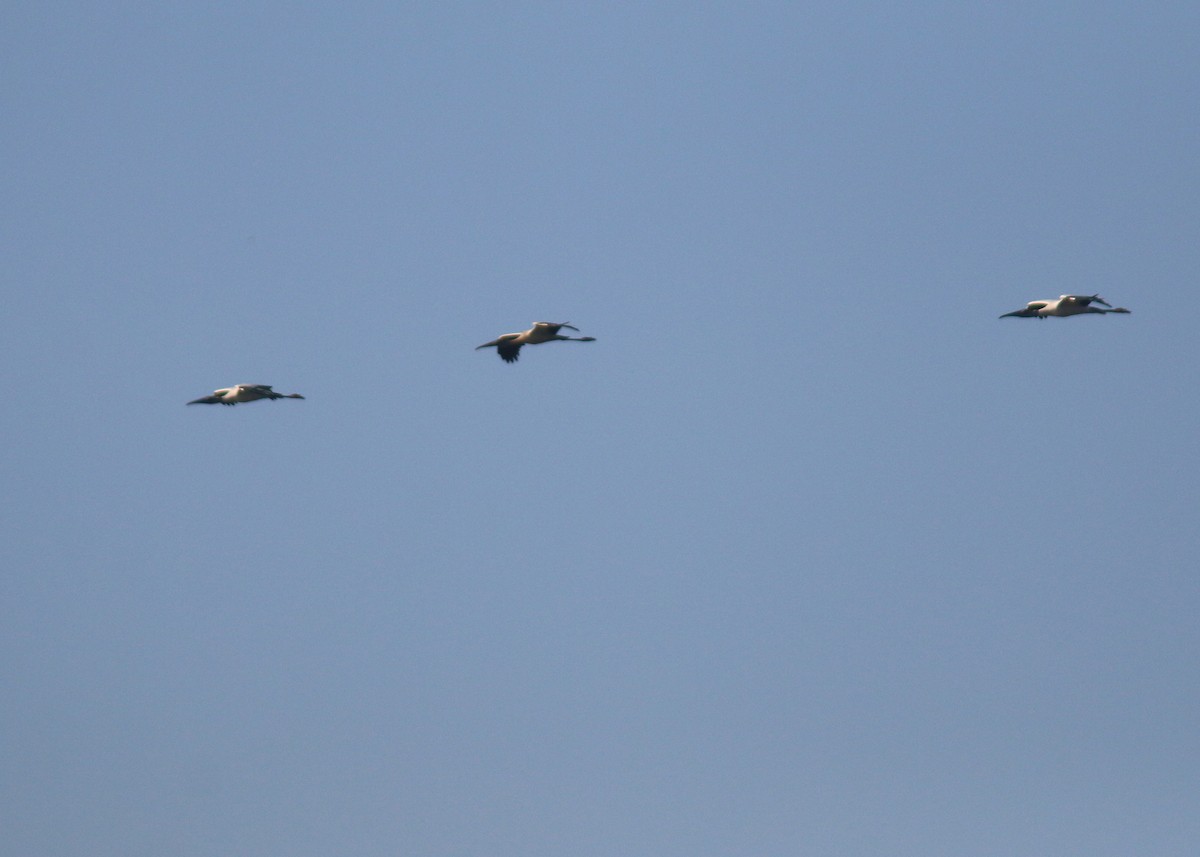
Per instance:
x=1085, y=300
x=509, y=351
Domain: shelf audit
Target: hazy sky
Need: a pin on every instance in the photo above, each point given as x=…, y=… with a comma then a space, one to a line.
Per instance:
x=808, y=554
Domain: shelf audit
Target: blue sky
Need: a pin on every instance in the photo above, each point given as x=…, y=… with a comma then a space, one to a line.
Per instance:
x=807, y=554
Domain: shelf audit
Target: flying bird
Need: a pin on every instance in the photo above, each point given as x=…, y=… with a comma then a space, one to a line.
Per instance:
x=509, y=345
x=242, y=393
x=1065, y=305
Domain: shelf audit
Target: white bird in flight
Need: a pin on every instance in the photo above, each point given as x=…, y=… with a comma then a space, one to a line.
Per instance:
x=242, y=393
x=509, y=345
x=1065, y=305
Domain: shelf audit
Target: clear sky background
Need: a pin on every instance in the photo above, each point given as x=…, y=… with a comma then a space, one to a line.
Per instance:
x=808, y=554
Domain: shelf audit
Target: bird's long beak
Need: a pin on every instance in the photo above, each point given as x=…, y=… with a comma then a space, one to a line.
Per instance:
x=488, y=344
x=207, y=400
x=1016, y=312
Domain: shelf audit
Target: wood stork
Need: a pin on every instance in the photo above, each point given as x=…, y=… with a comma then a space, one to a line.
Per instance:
x=242, y=393
x=1065, y=305
x=509, y=345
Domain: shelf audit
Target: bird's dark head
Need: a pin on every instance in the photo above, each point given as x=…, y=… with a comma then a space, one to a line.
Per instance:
x=500, y=340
